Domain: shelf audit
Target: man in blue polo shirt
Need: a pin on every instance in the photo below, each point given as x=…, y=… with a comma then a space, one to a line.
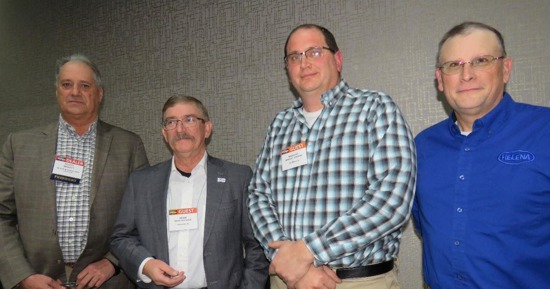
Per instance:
x=482, y=204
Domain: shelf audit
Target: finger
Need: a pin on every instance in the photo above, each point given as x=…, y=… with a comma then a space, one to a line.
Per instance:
x=80, y=285
x=93, y=283
x=163, y=279
x=84, y=281
x=331, y=274
x=271, y=269
x=275, y=244
x=329, y=283
x=99, y=283
x=174, y=273
x=176, y=280
x=54, y=284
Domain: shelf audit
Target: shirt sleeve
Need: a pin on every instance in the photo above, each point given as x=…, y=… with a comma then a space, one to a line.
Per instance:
x=142, y=277
x=261, y=204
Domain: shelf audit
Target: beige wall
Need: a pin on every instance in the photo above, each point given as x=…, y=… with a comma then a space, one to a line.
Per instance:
x=229, y=54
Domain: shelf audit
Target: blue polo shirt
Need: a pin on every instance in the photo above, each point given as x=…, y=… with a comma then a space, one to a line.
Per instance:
x=482, y=203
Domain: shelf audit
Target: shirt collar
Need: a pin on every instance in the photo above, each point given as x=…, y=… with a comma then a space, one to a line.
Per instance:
x=492, y=121
x=200, y=166
x=329, y=97
x=70, y=129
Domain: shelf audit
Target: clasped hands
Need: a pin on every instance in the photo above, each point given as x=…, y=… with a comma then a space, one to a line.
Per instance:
x=293, y=263
x=93, y=276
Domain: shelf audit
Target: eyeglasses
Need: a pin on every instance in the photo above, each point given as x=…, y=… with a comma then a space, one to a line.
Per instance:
x=480, y=62
x=187, y=121
x=310, y=53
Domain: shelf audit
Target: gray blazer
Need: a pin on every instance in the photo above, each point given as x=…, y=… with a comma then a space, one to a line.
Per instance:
x=141, y=230
x=28, y=239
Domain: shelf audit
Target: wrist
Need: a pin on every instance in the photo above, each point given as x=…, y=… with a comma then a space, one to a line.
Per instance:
x=117, y=269
x=305, y=253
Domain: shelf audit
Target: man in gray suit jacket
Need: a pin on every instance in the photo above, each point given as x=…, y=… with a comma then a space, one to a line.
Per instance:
x=183, y=223
x=60, y=189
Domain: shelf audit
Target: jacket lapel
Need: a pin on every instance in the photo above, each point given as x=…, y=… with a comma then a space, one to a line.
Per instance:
x=214, y=185
x=47, y=150
x=157, y=200
x=102, y=147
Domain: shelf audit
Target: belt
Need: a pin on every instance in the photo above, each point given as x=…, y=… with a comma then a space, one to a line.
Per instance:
x=365, y=271
x=71, y=265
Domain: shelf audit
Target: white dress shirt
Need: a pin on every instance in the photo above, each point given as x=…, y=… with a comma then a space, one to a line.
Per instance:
x=185, y=246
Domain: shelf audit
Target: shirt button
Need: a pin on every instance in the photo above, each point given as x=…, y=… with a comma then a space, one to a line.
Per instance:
x=467, y=149
x=459, y=210
x=71, y=219
x=462, y=177
x=457, y=243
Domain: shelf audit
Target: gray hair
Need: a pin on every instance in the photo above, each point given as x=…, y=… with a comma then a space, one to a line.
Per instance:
x=467, y=27
x=82, y=59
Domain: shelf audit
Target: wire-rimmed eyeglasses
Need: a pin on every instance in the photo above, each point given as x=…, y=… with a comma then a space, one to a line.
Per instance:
x=480, y=62
x=310, y=53
x=186, y=121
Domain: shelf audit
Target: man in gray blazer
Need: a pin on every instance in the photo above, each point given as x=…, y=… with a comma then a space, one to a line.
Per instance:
x=60, y=189
x=183, y=223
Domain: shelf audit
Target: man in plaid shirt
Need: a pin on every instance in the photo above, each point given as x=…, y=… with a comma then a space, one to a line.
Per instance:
x=335, y=178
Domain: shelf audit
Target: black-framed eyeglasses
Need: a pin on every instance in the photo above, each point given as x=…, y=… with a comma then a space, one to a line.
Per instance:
x=480, y=62
x=186, y=121
x=310, y=53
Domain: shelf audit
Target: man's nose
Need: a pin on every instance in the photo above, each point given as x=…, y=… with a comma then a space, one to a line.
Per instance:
x=180, y=127
x=75, y=90
x=467, y=71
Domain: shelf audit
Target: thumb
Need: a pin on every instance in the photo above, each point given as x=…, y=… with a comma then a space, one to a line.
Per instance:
x=275, y=244
x=331, y=274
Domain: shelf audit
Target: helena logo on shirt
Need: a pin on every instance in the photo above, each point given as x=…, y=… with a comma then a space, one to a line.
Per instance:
x=516, y=157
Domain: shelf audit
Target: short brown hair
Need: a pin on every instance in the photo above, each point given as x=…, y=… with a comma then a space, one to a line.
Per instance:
x=172, y=101
x=329, y=38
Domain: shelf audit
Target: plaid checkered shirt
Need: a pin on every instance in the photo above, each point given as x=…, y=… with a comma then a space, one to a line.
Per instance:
x=351, y=199
x=73, y=200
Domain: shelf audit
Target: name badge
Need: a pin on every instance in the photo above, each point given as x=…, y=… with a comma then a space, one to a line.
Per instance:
x=294, y=156
x=183, y=219
x=67, y=170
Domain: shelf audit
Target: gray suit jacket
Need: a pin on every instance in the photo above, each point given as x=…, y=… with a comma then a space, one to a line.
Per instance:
x=28, y=235
x=141, y=229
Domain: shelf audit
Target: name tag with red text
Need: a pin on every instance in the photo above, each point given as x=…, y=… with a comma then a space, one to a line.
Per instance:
x=294, y=156
x=183, y=219
x=67, y=170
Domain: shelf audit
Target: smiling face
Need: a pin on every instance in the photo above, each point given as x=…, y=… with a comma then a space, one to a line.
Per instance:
x=186, y=142
x=78, y=95
x=312, y=77
x=472, y=93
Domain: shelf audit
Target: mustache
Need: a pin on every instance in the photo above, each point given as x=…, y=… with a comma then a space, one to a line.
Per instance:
x=180, y=136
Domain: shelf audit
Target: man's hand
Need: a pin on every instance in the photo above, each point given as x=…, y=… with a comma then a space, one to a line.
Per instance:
x=318, y=278
x=38, y=281
x=95, y=274
x=162, y=274
x=292, y=261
